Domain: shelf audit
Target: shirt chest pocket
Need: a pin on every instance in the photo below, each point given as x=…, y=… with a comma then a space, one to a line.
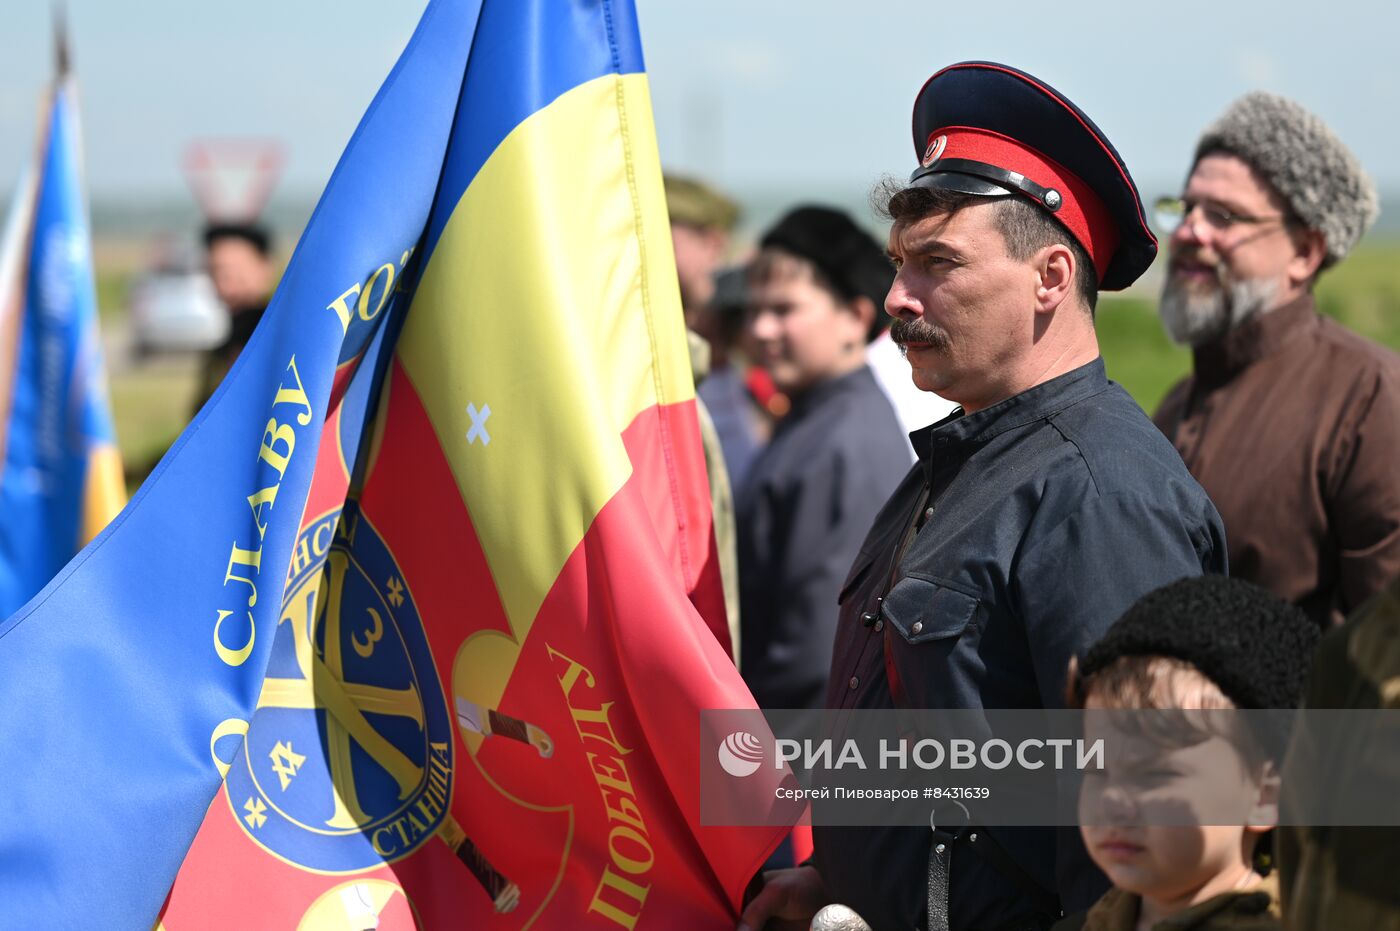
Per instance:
x=921, y=610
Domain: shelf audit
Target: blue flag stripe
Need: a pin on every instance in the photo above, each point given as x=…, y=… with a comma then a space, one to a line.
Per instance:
x=522, y=60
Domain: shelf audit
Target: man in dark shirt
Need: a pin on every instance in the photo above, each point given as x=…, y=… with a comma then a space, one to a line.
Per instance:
x=832, y=461
x=1291, y=422
x=1037, y=513
x=239, y=257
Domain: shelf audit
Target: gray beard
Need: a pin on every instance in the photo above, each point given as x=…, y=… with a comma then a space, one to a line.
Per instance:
x=1194, y=319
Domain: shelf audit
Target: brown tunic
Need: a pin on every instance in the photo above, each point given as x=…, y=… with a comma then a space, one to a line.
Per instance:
x=1291, y=423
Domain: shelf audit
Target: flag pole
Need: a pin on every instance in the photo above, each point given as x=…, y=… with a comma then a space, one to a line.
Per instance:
x=63, y=59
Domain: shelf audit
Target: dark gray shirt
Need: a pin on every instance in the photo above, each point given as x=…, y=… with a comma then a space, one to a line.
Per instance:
x=809, y=497
x=1039, y=521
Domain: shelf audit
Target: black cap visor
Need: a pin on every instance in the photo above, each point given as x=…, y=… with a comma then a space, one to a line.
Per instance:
x=957, y=181
x=970, y=174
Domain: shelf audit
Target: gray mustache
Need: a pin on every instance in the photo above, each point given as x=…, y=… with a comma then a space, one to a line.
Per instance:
x=918, y=331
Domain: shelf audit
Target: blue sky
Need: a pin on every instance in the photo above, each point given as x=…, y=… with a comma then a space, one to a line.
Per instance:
x=759, y=95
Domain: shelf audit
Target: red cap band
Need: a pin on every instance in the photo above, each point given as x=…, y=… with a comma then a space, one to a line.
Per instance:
x=1081, y=212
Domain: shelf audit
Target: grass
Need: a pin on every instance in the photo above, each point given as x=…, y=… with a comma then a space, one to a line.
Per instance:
x=1363, y=292
x=112, y=284
x=151, y=405
x=1136, y=351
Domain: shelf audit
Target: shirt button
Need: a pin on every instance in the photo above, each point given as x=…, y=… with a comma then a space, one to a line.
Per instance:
x=855, y=682
x=918, y=626
x=879, y=625
x=928, y=513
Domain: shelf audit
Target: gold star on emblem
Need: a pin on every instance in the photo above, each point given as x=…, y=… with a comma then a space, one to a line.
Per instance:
x=255, y=817
x=395, y=591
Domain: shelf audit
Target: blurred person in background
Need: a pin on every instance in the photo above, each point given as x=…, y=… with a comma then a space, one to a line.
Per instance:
x=742, y=423
x=815, y=291
x=1289, y=421
x=239, y=258
x=701, y=221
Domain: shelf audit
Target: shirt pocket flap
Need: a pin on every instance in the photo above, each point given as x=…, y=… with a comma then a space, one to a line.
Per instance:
x=922, y=610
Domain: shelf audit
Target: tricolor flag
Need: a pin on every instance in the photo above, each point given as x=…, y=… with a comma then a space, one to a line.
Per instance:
x=414, y=623
x=60, y=472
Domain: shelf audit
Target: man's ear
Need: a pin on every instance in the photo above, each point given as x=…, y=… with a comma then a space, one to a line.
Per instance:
x=1263, y=813
x=1056, y=272
x=1310, y=249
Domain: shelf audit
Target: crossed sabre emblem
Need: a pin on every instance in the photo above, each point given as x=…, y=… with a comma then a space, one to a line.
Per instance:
x=320, y=608
x=322, y=686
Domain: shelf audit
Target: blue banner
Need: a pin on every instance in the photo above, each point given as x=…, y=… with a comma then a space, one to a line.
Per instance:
x=128, y=681
x=61, y=478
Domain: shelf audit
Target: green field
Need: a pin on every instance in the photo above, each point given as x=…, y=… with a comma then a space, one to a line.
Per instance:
x=151, y=402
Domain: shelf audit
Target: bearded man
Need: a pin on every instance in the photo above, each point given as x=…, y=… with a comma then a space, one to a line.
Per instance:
x=1289, y=421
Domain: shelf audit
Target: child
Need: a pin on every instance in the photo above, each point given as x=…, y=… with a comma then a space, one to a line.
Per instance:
x=1207, y=645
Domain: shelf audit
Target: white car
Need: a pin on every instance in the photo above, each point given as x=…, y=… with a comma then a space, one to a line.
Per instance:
x=174, y=308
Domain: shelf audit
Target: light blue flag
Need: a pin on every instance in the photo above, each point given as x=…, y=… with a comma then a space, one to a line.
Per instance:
x=132, y=674
x=61, y=479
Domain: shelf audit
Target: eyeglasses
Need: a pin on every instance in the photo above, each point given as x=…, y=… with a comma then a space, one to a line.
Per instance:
x=1171, y=212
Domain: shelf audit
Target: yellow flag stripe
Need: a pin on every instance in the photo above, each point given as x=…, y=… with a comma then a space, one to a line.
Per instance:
x=104, y=492
x=551, y=300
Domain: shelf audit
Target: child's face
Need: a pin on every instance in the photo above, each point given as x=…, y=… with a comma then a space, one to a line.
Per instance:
x=1157, y=819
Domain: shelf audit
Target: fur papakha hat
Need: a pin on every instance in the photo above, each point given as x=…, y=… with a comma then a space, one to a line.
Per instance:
x=1312, y=170
x=1256, y=647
